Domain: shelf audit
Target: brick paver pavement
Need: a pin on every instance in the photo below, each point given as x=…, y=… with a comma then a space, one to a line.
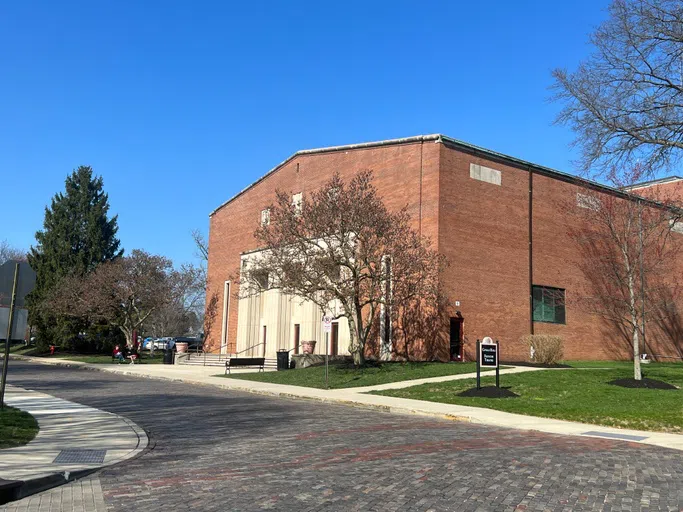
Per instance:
x=219, y=450
x=83, y=495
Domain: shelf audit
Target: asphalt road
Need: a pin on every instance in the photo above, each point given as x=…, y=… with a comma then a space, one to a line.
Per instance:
x=220, y=450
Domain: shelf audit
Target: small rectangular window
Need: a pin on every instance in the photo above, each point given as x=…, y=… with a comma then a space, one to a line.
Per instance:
x=548, y=304
x=385, y=319
x=297, y=202
x=261, y=279
x=265, y=217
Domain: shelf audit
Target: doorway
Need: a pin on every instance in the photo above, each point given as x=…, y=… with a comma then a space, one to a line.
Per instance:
x=334, y=338
x=456, y=339
x=265, y=332
x=297, y=333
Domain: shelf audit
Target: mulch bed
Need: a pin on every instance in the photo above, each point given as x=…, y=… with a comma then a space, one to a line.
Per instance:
x=644, y=383
x=489, y=392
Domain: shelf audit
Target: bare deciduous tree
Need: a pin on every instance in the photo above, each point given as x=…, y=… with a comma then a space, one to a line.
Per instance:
x=7, y=252
x=342, y=244
x=628, y=251
x=202, y=252
x=185, y=303
x=625, y=102
x=201, y=244
x=124, y=292
x=210, y=315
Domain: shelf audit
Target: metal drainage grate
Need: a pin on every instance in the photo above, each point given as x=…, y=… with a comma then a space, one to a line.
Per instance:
x=610, y=435
x=80, y=457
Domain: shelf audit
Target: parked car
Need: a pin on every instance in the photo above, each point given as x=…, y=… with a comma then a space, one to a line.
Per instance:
x=166, y=342
x=157, y=343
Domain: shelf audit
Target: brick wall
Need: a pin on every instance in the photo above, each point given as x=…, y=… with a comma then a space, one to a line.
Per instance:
x=405, y=174
x=483, y=233
x=481, y=227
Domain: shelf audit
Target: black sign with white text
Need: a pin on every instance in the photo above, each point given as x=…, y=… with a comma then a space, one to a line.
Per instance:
x=489, y=355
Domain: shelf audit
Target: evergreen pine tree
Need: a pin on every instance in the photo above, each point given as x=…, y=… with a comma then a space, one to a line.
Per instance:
x=77, y=236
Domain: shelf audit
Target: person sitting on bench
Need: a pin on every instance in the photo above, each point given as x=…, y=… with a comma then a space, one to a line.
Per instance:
x=117, y=354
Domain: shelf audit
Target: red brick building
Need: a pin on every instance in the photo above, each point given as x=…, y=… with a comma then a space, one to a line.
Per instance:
x=499, y=221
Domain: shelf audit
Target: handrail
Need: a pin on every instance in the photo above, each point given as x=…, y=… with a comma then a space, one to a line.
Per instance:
x=217, y=349
x=249, y=348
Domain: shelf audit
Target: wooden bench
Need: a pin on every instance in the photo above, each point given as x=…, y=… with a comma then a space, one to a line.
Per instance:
x=245, y=361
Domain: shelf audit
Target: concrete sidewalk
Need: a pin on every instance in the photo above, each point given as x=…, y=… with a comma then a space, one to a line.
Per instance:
x=445, y=378
x=73, y=440
x=359, y=397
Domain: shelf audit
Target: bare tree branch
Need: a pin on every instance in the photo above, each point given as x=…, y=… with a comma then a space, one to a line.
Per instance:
x=628, y=247
x=625, y=102
x=202, y=246
x=7, y=252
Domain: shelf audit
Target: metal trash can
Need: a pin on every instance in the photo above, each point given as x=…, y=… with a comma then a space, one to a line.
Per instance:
x=168, y=356
x=282, y=360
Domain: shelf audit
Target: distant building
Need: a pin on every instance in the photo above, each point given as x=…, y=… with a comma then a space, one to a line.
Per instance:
x=497, y=219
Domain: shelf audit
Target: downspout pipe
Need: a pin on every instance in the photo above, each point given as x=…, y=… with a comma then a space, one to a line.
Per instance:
x=531, y=250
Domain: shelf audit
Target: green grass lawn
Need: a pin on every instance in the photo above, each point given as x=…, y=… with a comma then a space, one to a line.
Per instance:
x=106, y=358
x=576, y=395
x=21, y=350
x=344, y=377
x=604, y=364
x=16, y=427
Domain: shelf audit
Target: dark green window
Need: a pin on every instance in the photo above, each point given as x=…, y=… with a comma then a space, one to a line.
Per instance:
x=548, y=304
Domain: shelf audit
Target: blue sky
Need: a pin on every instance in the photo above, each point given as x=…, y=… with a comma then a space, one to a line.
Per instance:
x=180, y=104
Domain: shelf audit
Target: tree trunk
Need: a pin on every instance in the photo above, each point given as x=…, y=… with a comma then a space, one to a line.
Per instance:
x=128, y=333
x=637, y=375
x=356, y=344
x=636, y=352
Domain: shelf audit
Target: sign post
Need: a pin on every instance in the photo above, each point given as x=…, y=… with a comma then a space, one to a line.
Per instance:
x=478, y=365
x=17, y=280
x=327, y=328
x=9, y=335
x=487, y=357
x=497, y=365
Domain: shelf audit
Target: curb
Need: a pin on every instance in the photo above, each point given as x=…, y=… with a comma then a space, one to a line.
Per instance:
x=12, y=490
x=24, y=488
x=247, y=389
x=395, y=409
x=392, y=409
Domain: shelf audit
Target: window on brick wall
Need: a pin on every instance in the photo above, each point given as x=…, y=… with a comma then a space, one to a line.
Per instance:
x=385, y=318
x=265, y=217
x=297, y=202
x=548, y=304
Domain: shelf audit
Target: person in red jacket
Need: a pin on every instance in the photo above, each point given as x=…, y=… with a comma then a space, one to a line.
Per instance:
x=117, y=354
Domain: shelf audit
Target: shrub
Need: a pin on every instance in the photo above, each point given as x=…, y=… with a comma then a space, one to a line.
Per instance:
x=544, y=348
